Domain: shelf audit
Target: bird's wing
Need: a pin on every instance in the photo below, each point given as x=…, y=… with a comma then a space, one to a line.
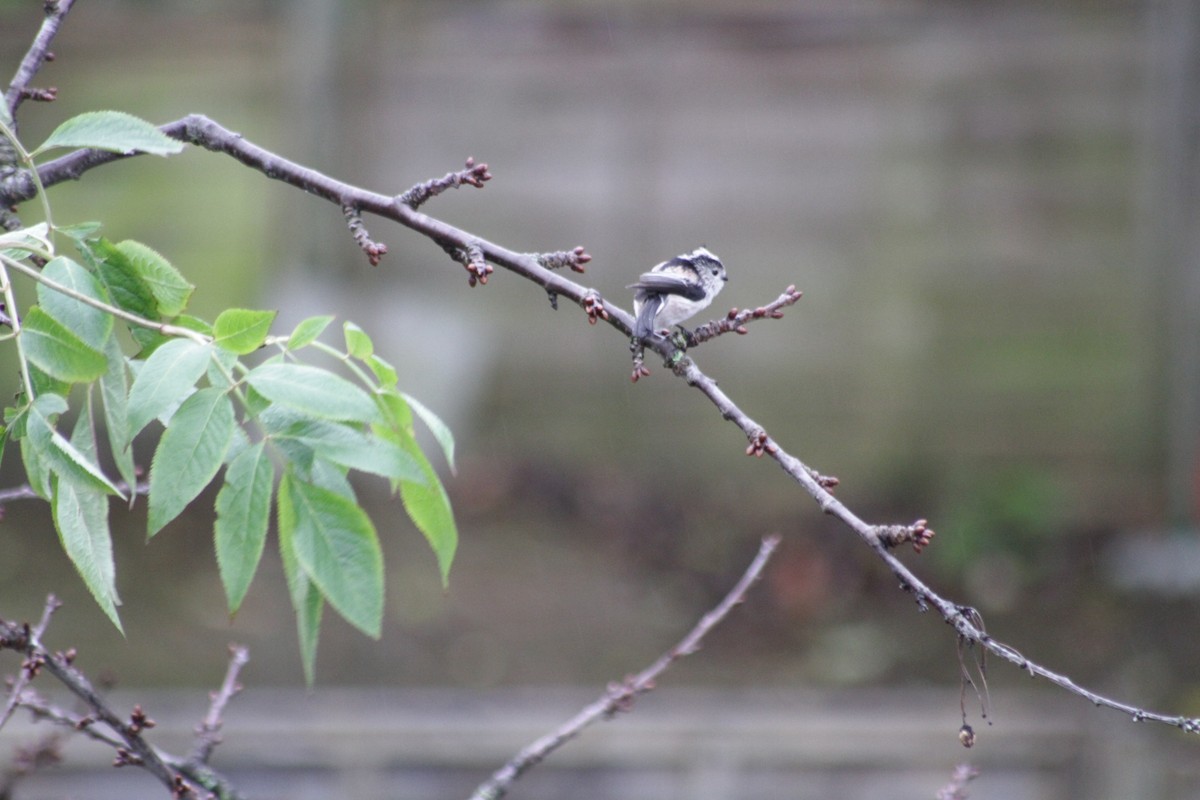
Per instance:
x=666, y=283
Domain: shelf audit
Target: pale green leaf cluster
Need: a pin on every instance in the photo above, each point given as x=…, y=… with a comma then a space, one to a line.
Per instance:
x=251, y=412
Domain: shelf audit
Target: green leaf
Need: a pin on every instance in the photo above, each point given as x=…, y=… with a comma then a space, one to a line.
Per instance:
x=44, y=384
x=17, y=244
x=114, y=391
x=81, y=519
x=440, y=430
x=193, y=324
x=111, y=130
x=306, y=598
x=89, y=323
x=241, y=330
x=337, y=547
x=189, y=454
x=79, y=231
x=170, y=289
x=385, y=373
x=37, y=469
x=358, y=343
x=121, y=279
x=314, y=391
x=307, y=331
x=56, y=351
x=56, y=453
x=220, y=368
x=429, y=508
x=165, y=381
x=243, y=511
x=331, y=476
x=341, y=444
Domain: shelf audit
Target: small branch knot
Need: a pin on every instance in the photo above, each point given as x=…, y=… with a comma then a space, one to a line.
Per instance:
x=919, y=533
x=473, y=175
x=374, y=250
x=47, y=95
x=179, y=787
x=138, y=721
x=575, y=259
x=639, y=367
x=760, y=444
x=472, y=258
x=593, y=305
x=621, y=695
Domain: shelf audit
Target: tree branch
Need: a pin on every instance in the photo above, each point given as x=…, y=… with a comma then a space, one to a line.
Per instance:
x=38, y=54
x=204, y=132
x=620, y=696
x=208, y=734
x=181, y=777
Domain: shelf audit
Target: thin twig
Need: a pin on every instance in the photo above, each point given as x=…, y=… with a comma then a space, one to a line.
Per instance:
x=35, y=56
x=208, y=734
x=26, y=492
x=956, y=789
x=620, y=696
x=735, y=321
x=30, y=668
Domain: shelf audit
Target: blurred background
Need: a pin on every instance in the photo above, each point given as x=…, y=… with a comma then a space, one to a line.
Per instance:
x=991, y=210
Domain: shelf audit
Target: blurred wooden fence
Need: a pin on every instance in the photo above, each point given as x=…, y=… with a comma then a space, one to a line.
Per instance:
x=689, y=743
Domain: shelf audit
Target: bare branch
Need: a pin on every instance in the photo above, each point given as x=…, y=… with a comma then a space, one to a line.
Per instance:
x=620, y=696
x=473, y=175
x=38, y=53
x=31, y=666
x=125, y=738
x=574, y=259
x=206, y=133
x=26, y=492
x=956, y=789
x=208, y=734
x=735, y=321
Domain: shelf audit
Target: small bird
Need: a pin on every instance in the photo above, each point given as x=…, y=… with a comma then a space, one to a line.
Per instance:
x=675, y=290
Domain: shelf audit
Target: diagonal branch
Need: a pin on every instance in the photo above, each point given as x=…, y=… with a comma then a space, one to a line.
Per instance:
x=132, y=749
x=38, y=54
x=204, y=132
x=620, y=696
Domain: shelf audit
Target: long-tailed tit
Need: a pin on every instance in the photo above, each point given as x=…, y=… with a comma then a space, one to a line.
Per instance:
x=675, y=290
